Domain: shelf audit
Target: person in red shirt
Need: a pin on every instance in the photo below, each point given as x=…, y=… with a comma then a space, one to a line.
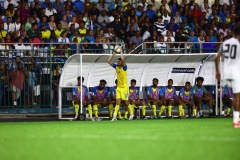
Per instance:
x=196, y=12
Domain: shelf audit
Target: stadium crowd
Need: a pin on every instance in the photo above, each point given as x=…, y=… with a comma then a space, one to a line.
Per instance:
x=117, y=22
x=97, y=26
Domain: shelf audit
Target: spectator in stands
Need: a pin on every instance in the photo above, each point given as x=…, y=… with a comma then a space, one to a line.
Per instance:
x=166, y=17
x=166, y=5
x=3, y=48
x=45, y=33
x=35, y=18
x=208, y=47
x=173, y=25
x=64, y=22
x=3, y=80
x=213, y=38
x=134, y=24
x=139, y=10
x=94, y=10
x=45, y=4
x=24, y=11
x=55, y=83
x=146, y=24
x=132, y=15
x=8, y=39
x=37, y=69
x=195, y=46
x=33, y=32
x=51, y=23
x=63, y=39
x=59, y=30
x=20, y=48
x=44, y=22
x=150, y=12
x=85, y=46
x=173, y=5
x=146, y=34
x=29, y=85
x=103, y=19
x=76, y=25
x=101, y=5
x=8, y=26
x=116, y=25
x=97, y=47
x=50, y=10
x=177, y=18
x=159, y=25
x=75, y=35
x=28, y=24
x=137, y=39
x=169, y=35
x=58, y=5
x=154, y=36
x=90, y=36
x=160, y=45
x=7, y=2
x=17, y=74
x=87, y=6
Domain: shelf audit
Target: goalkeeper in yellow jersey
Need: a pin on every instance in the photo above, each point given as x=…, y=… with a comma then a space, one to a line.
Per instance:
x=78, y=91
x=122, y=91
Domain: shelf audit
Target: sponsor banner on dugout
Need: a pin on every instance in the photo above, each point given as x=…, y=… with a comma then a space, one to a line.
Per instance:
x=183, y=70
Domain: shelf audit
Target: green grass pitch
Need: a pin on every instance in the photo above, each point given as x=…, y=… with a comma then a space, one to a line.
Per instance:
x=190, y=139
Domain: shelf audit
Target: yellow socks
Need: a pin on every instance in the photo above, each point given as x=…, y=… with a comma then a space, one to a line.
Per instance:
x=110, y=110
x=162, y=108
x=76, y=107
x=144, y=110
x=131, y=109
x=154, y=110
x=90, y=110
x=95, y=109
x=169, y=110
x=126, y=114
x=180, y=108
x=194, y=112
x=228, y=111
x=119, y=114
x=116, y=111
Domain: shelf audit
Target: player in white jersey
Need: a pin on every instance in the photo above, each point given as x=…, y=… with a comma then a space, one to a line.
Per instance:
x=230, y=52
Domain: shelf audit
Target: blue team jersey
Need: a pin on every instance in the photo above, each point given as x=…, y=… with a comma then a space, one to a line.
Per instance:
x=100, y=94
x=77, y=91
x=199, y=92
x=154, y=92
x=168, y=93
x=186, y=95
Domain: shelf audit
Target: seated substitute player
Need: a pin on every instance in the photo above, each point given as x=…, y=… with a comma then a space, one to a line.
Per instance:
x=112, y=102
x=100, y=97
x=134, y=100
x=186, y=100
x=78, y=91
x=200, y=94
x=153, y=96
x=169, y=97
x=227, y=97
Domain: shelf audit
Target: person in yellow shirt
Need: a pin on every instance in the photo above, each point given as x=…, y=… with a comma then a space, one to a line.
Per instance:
x=122, y=91
x=45, y=32
x=58, y=31
x=3, y=32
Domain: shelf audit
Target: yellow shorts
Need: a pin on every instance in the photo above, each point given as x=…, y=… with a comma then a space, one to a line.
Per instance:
x=122, y=93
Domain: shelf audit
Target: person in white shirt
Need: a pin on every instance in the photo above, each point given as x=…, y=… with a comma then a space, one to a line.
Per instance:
x=103, y=19
x=20, y=48
x=7, y=2
x=63, y=39
x=76, y=25
x=50, y=10
x=230, y=54
x=8, y=25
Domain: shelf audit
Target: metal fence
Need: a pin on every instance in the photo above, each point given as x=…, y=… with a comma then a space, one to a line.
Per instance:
x=29, y=73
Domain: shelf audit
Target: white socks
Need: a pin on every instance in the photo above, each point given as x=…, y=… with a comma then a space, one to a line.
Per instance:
x=235, y=117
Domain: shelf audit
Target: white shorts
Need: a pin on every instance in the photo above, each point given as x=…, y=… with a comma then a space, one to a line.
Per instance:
x=36, y=90
x=234, y=84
